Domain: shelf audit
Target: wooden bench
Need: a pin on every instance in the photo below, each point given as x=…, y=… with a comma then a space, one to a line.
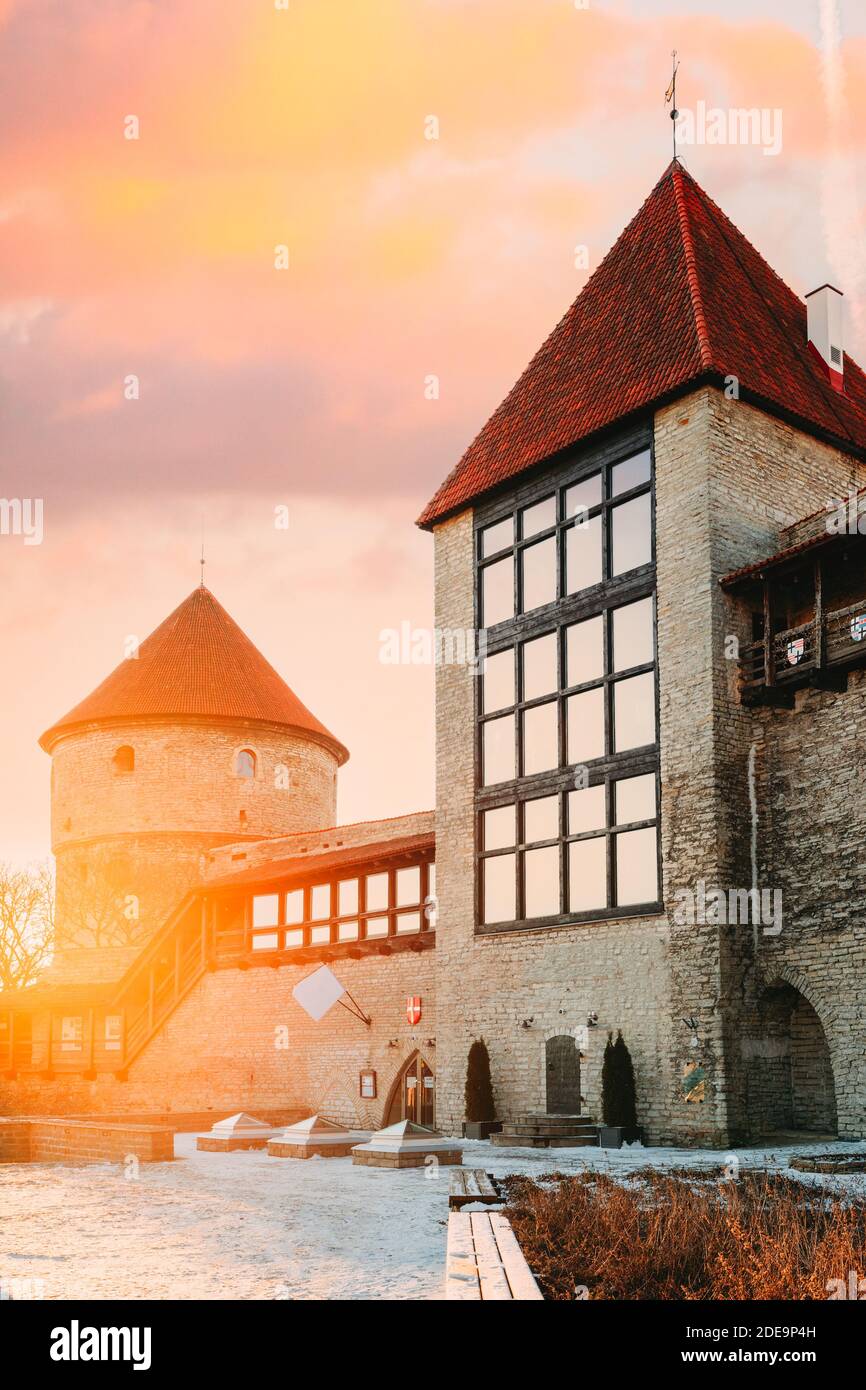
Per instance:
x=472, y=1185
x=484, y=1261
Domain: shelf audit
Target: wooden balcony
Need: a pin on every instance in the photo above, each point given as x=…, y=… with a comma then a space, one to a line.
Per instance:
x=817, y=653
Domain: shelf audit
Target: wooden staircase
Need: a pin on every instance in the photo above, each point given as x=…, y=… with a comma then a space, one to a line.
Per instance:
x=548, y=1132
x=165, y=972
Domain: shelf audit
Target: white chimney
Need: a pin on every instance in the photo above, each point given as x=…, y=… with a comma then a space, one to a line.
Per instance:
x=824, y=318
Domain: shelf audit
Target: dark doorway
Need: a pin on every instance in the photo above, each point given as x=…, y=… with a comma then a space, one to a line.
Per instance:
x=562, y=1061
x=788, y=1069
x=414, y=1094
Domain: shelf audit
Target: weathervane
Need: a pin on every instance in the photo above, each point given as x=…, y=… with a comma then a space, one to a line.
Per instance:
x=671, y=96
x=201, y=561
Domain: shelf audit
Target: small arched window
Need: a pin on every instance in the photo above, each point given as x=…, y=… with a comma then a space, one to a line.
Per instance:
x=124, y=759
x=245, y=763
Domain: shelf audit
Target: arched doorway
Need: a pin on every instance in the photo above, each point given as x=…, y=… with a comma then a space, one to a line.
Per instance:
x=789, y=1071
x=562, y=1075
x=413, y=1095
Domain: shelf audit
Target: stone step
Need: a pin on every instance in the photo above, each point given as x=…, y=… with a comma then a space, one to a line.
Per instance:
x=577, y=1130
x=554, y=1124
x=545, y=1141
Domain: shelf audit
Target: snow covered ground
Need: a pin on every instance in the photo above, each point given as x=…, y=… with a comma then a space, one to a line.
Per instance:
x=244, y=1225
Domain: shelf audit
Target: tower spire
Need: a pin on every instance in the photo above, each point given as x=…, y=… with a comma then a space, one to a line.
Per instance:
x=201, y=561
x=671, y=96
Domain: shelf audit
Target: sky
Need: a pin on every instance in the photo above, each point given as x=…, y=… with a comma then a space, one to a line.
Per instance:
x=326, y=205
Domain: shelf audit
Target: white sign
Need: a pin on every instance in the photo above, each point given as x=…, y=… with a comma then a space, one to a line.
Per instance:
x=319, y=992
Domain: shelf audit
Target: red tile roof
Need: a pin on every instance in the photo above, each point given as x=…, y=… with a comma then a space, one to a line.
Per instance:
x=199, y=664
x=781, y=557
x=681, y=297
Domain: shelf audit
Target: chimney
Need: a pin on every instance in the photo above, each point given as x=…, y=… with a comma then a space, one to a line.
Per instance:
x=824, y=321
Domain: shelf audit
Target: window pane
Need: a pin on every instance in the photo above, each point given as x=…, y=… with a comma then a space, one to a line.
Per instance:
x=320, y=936
x=347, y=931
x=409, y=921
x=539, y=574
x=499, y=832
x=633, y=635
x=539, y=667
x=538, y=518
x=631, y=535
x=541, y=881
x=635, y=798
x=294, y=938
x=377, y=892
x=408, y=886
x=497, y=537
x=540, y=742
x=431, y=879
x=586, y=726
x=348, y=897
x=582, y=496
x=584, y=651
x=498, y=685
x=634, y=712
x=295, y=906
x=541, y=819
x=266, y=941
x=587, y=874
x=583, y=555
x=497, y=592
x=320, y=901
x=498, y=752
x=630, y=473
x=586, y=810
x=376, y=926
x=499, y=888
x=636, y=867
x=266, y=910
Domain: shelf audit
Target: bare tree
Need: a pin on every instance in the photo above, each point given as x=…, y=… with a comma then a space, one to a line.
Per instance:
x=98, y=907
x=26, y=923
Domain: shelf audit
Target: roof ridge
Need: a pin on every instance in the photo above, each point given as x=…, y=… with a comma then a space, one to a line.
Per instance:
x=503, y=406
x=726, y=226
x=692, y=268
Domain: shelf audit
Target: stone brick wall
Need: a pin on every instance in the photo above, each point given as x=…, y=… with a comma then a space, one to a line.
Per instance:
x=227, y=858
x=221, y=1051
x=758, y=476
x=487, y=986
x=728, y=479
x=80, y=1141
x=143, y=835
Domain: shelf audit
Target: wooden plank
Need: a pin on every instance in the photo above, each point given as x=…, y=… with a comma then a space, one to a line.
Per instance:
x=521, y=1280
x=491, y=1274
x=470, y=1178
x=486, y=1186
x=461, y=1270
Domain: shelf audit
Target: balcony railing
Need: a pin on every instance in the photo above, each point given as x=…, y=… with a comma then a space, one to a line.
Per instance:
x=802, y=655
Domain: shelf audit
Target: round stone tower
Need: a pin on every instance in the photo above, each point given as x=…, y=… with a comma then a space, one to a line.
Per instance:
x=194, y=742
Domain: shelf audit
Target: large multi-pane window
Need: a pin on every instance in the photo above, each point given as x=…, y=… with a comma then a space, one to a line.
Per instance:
x=356, y=906
x=567, y=740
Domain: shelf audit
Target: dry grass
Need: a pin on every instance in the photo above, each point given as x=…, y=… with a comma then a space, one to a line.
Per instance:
x=682, y=1235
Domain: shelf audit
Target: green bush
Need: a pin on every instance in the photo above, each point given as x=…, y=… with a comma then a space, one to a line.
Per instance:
x=618, y=1099
x=479, y=1087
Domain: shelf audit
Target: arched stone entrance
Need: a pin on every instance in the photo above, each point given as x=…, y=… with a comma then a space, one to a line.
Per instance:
x=413, y=1095
x=788, y=1067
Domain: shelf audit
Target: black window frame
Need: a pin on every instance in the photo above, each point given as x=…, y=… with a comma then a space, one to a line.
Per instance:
x=564, y=612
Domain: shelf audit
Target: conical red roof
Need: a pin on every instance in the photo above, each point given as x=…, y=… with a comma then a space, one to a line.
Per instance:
x=197, y=664
x=681, y=297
